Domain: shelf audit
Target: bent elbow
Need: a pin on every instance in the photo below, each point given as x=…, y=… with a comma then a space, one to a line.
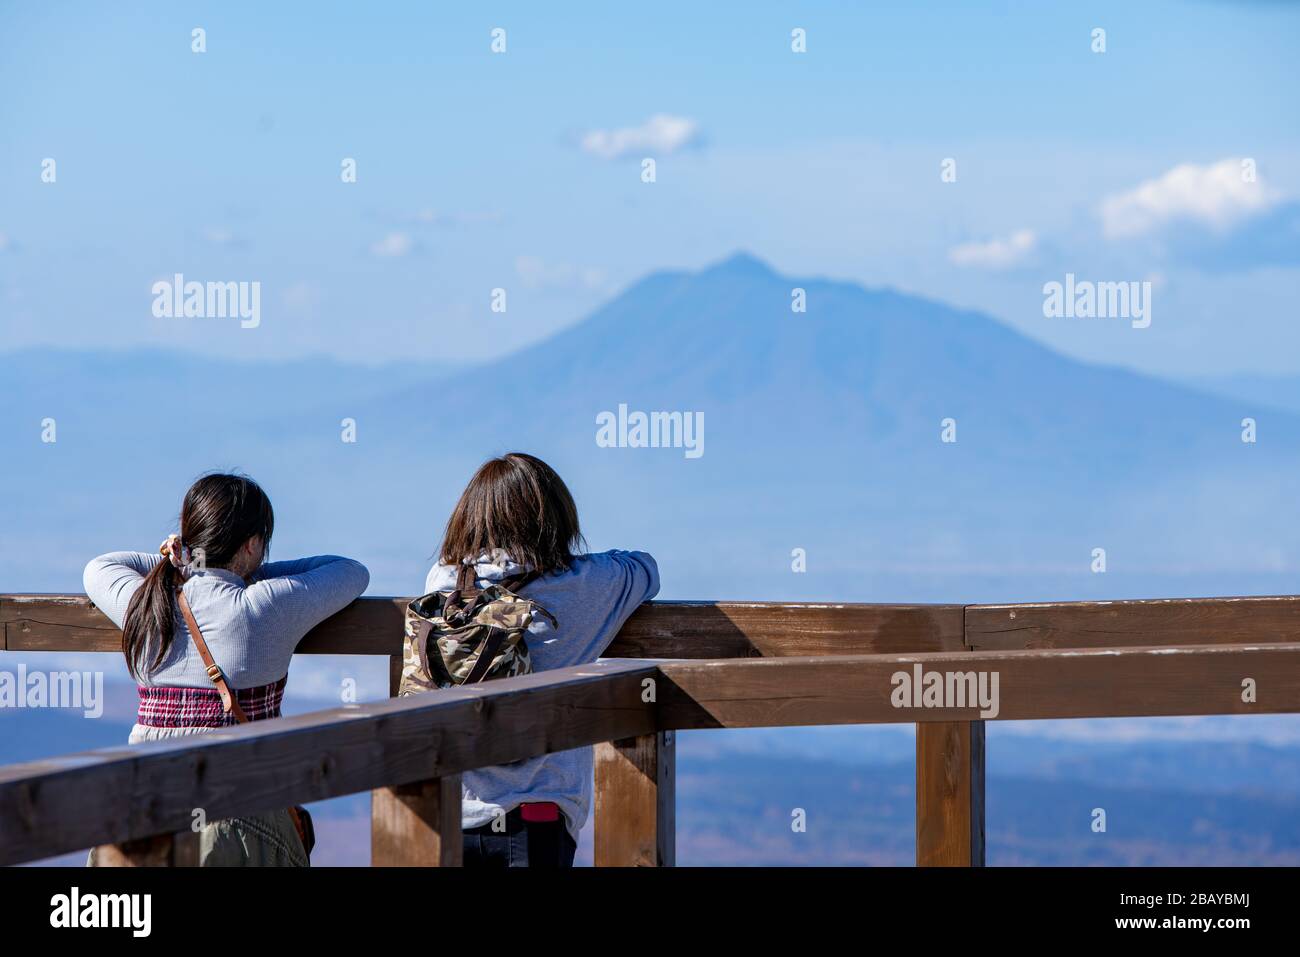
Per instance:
x=90, y=575
x=362, y=579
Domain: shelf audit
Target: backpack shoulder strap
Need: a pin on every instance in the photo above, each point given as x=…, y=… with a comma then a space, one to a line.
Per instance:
x=516, y=582
x=467, y=589
x=455, y=601
x=486, y=655
x=228, y=699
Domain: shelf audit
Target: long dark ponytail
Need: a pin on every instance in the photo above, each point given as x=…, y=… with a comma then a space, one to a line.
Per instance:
x=220, y=513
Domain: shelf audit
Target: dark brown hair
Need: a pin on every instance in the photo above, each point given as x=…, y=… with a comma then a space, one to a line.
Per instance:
x=516, y=503
x=220, y=513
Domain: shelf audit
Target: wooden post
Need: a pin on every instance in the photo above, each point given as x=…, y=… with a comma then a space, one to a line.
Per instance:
x=417, y=825
x=395, y=663
x=636, y=786
x=950, y=794
x=164, y=850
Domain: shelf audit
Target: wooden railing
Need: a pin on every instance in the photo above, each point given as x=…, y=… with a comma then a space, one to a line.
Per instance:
x=684, y=666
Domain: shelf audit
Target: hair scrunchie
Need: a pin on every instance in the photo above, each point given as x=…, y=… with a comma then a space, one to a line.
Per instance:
x=176, y=552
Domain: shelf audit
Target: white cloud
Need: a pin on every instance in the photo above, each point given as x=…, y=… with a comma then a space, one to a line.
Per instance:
x=434, y=217
x=301, y=297
x=660, y=135
x=1218, y=195
x=996, y=253
x=394, y=244
x=220, y=236
x=538, y=274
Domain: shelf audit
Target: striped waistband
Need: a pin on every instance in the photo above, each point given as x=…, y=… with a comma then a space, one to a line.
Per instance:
x=168, y=707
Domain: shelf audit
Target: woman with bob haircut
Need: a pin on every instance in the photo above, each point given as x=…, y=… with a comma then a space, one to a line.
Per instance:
x=516, y=516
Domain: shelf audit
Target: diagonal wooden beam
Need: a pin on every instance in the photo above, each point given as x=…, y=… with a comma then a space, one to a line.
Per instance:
x=149, y=789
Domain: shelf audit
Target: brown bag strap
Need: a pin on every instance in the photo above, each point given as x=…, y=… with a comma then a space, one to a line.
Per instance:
x=516, y=582
x=229, y=701
x=486, y=655
x=466, y=589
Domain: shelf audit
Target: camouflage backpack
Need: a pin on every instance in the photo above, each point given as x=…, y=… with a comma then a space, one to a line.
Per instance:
x=467, y=635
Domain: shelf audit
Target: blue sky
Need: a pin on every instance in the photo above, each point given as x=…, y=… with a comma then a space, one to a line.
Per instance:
x=479, y=170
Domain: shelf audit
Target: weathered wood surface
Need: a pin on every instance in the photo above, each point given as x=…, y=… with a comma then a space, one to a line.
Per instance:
x=417, y=824
x=698, y=630
x=775, y=629
x=153, y=788
x=1032, y=684
x=161, y=850
x=373, y=626
x=636, y=802
x=1063, y=660
x=73, y=623
x=55, y=623
x=950, y=794
x=1174, y=621
x=149, y=789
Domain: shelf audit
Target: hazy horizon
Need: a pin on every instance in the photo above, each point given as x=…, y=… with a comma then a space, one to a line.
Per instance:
x=962, y=303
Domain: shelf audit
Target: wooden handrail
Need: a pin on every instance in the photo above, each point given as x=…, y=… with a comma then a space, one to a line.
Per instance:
x=738, y=629
x=660, y=629
x=1149, y=621
x=1032, y=684
x=154, y=788
x=818, y=663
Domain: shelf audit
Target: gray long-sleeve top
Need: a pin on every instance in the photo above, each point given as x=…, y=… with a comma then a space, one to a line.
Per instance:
x=251, y=627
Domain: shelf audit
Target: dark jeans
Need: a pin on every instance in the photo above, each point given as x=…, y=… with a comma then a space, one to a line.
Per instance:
x=521, y=844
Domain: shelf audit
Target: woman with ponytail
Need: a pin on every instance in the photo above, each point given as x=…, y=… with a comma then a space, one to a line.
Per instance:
x=249, y=616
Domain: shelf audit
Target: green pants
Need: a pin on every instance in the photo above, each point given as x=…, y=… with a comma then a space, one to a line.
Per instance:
x=267, y=840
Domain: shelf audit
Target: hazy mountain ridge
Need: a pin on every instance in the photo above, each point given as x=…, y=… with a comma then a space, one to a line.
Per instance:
x=737, y=810
x=1252, y=391
x=821, y=430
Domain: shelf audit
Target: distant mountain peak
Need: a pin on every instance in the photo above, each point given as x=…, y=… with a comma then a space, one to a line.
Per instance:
x=742, y=263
